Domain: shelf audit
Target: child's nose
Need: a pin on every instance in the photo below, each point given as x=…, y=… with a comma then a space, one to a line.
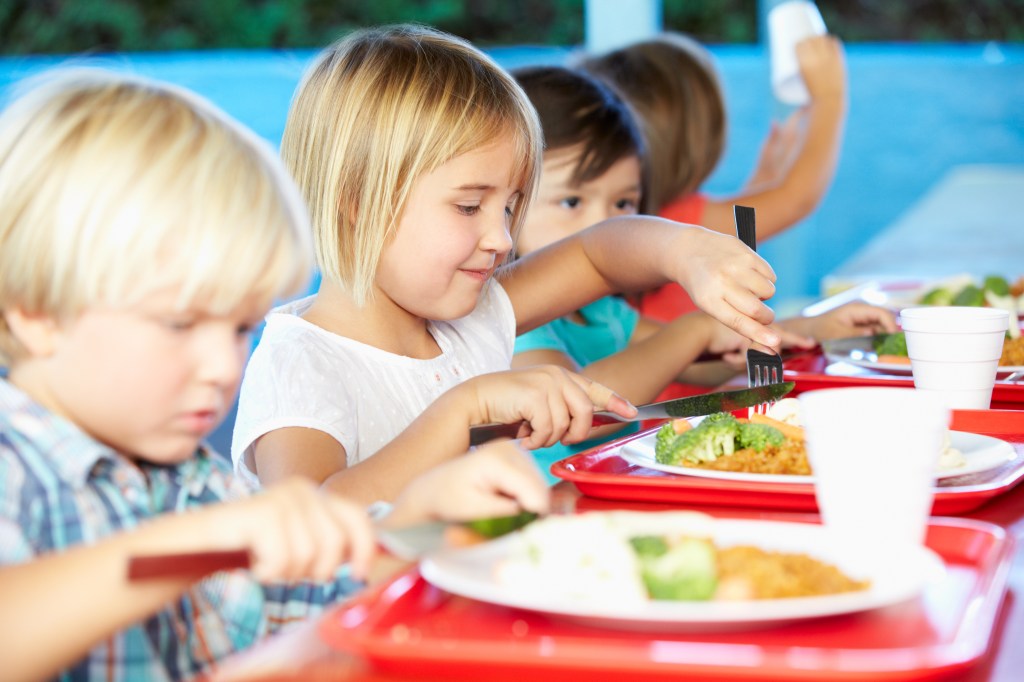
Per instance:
x=496, y=236
x=222, y=359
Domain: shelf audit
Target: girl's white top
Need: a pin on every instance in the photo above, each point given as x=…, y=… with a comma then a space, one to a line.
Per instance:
x=363, y=397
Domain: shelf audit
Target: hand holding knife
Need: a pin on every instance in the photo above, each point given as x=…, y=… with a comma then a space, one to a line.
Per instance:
x=693, y=406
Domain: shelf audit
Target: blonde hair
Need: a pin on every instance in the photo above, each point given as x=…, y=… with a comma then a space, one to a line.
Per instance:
x=112, y=186
x=376, y=111
x=672, y=84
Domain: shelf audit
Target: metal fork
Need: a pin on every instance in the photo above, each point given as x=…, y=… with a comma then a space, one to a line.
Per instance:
x=763, y=367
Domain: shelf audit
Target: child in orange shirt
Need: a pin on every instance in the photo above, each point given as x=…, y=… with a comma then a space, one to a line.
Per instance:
x=673, y=85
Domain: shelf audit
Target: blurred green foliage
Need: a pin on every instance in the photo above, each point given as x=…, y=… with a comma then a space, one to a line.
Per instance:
x=77, y=26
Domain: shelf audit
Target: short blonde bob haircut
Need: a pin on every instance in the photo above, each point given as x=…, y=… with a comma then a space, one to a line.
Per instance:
x=672, y=83
x=376, y=111
x=112, y=186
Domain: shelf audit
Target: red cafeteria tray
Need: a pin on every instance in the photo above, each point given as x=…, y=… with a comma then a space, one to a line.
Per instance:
x=814, y=371
x=409, y=627
x=602, y=472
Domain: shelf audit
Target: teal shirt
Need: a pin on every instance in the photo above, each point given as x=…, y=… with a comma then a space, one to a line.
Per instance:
x=608, y=325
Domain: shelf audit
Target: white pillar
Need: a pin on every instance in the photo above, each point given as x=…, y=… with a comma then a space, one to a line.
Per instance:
x=613, y=23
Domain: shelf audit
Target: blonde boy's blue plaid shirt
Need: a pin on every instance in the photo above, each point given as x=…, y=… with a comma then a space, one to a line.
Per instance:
x=60, y=488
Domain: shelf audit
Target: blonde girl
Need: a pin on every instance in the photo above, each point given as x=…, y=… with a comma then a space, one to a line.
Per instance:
x=419, y=156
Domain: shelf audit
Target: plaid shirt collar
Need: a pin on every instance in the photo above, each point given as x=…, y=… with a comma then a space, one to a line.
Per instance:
x=73, y=454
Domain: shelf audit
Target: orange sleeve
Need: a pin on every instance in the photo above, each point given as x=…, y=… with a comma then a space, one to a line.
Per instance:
x=671, y=300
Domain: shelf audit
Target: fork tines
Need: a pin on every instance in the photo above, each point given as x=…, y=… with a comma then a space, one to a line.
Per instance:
x=763, y=369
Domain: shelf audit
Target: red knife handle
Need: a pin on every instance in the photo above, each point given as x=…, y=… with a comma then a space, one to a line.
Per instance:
x=185, y=565
x=487, y=432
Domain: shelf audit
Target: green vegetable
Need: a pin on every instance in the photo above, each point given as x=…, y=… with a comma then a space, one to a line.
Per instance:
x=938, y=296
x=970, y=295
x=890, y=344
x=997, y=285
x=684, y=570
x=649, y=546
x=501, y=525
x=713, y=437
x=759, y=436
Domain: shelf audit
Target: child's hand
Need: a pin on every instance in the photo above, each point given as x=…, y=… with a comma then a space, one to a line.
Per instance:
x=822, y=66
x=295, y=531
x=496, y=479
x=733, y=347
x=726, y=280
x=558, y=405
x=852, y=319
x=778, y=151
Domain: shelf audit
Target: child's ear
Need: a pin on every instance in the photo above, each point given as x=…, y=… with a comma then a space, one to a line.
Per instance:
x=36, y=332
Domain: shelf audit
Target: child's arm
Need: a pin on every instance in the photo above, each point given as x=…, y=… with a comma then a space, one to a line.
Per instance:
x=74, y=599
x=809, y=175
x=723, y=277
x=557, y=405
x=654, y=358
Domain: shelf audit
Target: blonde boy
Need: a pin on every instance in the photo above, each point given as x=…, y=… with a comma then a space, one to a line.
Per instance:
x=142, y=235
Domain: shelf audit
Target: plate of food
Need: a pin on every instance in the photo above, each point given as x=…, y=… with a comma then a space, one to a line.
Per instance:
x=965, y=290
x=887, y=353
x=770, y=449
x=678, y=570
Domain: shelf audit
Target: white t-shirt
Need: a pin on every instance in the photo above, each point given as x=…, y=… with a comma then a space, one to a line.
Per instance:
x=363, y=397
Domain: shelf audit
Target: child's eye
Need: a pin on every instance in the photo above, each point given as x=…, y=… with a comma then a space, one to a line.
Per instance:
x=467, y=210
x=626, y=205
x=179, y=324
x=569, y=202
x=245, y=329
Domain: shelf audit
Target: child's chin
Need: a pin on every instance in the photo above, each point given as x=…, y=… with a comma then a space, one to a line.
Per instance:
x=168, y=455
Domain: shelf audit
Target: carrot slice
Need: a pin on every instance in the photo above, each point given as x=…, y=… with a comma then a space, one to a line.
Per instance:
x=894, y=359
x=681, y=425
x=788, y=430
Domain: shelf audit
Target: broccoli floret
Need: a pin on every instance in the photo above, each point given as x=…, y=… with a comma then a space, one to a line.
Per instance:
x=970, y=295
x=938, y=296
x=759, y=436
x=997, y=285
x=713, y=437
x=649, y=546
x=718, y=417
x=685, y=571
x=674, y=448
x=890, y=344
x=666, y=441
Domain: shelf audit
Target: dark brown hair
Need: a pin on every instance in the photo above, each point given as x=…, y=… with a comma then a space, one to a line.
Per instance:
x=672, y=84
x=576, y=109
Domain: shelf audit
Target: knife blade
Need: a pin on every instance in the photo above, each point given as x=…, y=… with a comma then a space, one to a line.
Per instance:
x=692, y=406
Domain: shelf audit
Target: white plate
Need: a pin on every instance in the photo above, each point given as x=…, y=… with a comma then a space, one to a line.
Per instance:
x=858, y=351
x=981, y=452
x=471, y=573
